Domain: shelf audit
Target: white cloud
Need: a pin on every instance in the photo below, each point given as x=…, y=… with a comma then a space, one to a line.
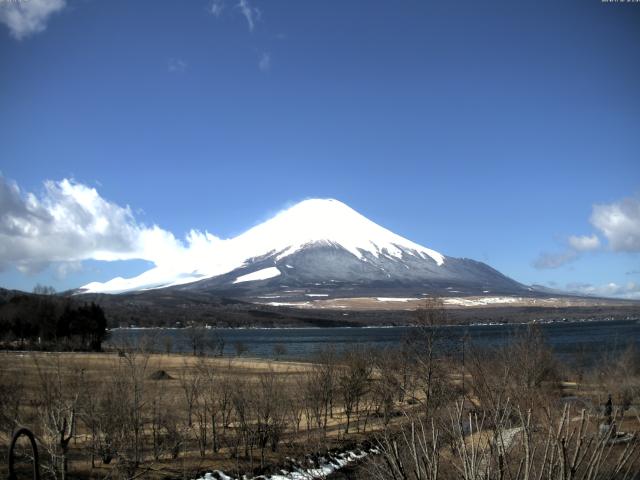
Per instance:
x=630, y=290
x=176, y=65
x=584, y=243
x=619, y=222
x=70, y=222
x=554, y=260
x=63, y=269
x=28, y=17
x=265, y=62
x=216, y=8
x=251, y=14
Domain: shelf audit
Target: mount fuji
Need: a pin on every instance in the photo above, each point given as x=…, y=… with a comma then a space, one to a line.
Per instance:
x=323, y=248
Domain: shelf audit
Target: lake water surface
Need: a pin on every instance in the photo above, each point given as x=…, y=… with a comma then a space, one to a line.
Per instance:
x=579, y=341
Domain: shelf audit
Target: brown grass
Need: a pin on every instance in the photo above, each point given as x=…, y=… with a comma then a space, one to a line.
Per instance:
x=95, y=367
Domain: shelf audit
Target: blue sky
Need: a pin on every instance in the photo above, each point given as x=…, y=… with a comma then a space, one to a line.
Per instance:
x=507, y=132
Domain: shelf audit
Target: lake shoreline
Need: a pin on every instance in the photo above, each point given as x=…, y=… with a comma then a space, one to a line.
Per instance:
x=381, y=326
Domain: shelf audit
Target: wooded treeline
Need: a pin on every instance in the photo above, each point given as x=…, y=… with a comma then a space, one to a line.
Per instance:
x=48, y=322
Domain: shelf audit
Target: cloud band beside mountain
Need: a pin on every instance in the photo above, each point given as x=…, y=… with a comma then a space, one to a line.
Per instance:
x=629, y=290
x=618, y=222
x=70, y=222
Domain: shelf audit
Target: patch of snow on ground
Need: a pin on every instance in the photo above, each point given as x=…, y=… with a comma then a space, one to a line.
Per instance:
x=263, y=274
x=216, y=475
x=326, y=465
x=287, y=304
x=393, y=299
x=472, y=302
x=317, y=294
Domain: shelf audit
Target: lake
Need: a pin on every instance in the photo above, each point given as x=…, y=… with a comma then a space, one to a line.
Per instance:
x=572, y=341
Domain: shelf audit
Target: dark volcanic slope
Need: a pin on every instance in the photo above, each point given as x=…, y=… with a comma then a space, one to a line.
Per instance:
x=332, y=271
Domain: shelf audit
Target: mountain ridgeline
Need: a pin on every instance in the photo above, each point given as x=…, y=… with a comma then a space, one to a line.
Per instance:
x=322, y=248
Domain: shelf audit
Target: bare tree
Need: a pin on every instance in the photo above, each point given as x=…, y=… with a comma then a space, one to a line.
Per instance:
x=59, y=393
x=516, y=449
x=11, y=391
x=88, y=413
x=168, y=344
x=270, y=414
x=353, y=378
x=524, y=370
x=216, y=343
x=202, y=413
x=126, y=427
x=190, y=380
x=44, y=289
x=533, y=370
x=225, y=400
x=617, y=373
x=315, y=403
x=164, y=423
x=242, y=408
x=427, y=342
x=296, y=402
x=210, y=392
x=279, y=350
x=197, y=339
x=319, y=386
x=240, y=348
x=387, y=384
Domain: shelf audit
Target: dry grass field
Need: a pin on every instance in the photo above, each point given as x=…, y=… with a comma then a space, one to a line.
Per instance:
x=135, y=414
x=174, y=381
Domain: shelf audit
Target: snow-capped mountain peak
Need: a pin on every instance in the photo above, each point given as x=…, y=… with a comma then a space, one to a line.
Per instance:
x=330, y=221
x=314, y=222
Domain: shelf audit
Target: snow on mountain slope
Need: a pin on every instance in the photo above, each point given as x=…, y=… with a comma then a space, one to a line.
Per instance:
x=263, y=274
x=311, y=222
x=331, y=221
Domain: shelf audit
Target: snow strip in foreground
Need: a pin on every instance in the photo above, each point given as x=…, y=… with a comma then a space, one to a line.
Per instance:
x=259, y=275
x=325, y=466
